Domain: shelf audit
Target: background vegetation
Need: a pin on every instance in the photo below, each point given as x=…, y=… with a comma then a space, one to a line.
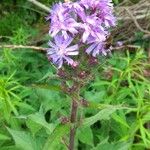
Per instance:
x=32, y=106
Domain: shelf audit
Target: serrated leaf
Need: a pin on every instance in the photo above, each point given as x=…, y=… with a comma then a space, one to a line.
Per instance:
x=39, y=119
x=113, y=146
x=101, y=115
x=9, y=148
x=48, y=87
x=34, y=127
x=54, y=138
x=25, y=106
x=117, y=118
x=85, y=135
x=23, y=140
x=4, y=137
x=146, y=117
x=143, y=134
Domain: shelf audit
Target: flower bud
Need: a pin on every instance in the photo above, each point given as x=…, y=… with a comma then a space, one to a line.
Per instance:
x=93, y=61
x=64, y=120
x=84, y=102
x=82, y=75
x=61, y=73
x=72, y=89
x=75, y=64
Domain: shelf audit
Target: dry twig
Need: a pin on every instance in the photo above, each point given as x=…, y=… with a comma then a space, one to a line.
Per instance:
x=126, y=47
x=135, y=22
x=23, y=47
x=132, y=19
x=40, y=5
x=44, y=49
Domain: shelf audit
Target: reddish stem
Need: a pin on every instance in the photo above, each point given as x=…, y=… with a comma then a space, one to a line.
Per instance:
x=73, y=120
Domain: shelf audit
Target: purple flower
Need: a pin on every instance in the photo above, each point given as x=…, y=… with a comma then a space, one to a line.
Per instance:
x=61, y=21
x=105, y=13
x=92, y=27
x=86, y=3
x=97, y=47
x=86, y=22
x=74, y=7
x=103, y=9
x=60, y=52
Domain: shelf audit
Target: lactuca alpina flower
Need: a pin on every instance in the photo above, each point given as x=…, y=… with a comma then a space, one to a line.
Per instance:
x=86, y=22
x=62, y=21
x=60, y=51
x=96, y=49
x=74, y=7
x=105, y=13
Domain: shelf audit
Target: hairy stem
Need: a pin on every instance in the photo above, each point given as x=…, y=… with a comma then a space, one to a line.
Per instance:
x=73, y=120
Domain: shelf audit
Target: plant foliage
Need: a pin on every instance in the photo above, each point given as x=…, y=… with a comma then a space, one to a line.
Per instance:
x=31, y=104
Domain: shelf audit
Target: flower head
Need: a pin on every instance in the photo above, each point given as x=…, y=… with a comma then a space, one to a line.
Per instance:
x=60, y=52
x=86, y=22
x=61, y=21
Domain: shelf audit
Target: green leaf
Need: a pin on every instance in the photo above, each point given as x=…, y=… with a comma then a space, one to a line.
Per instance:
x=85, y=135
x=34, y=127
x=25, y=106
x=119, y=119
x=101, y=115
x=4, y=137
x=23, y=140
x=113, y=146
x=9, y=148
x=47, y=87
x=54, y=139
x=146, y=117
x=40, y=120
x=8, y=100
x=143, y=134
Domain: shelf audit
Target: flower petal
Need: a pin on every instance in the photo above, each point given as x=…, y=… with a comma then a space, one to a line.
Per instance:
x=85, y=36
x=51, y=44
x=91, y=48
x=72, y=48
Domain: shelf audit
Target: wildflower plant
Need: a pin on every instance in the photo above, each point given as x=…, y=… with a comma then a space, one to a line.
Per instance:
x=79, y=30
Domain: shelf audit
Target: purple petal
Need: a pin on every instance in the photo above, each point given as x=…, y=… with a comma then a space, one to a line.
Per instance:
x=65, y=35
x=90, y=49
x=69, y=60
x=58, y=40
x=54, y=32
x=60, y=63
x=72, y=48
x=72, y=53
x=68, y=42
x=52, y=44
x=73, y=30
x=85, y=36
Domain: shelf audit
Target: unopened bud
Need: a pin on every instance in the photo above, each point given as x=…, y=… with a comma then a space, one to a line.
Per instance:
x=64, y=120
x=84, y=103
x=93, y=61
x=82, y=75
x=61, y=73
x=72, y=89
x=75, y=64
x=49, y=58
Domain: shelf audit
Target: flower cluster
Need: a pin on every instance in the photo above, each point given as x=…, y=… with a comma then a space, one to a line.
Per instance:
x=81, y=23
